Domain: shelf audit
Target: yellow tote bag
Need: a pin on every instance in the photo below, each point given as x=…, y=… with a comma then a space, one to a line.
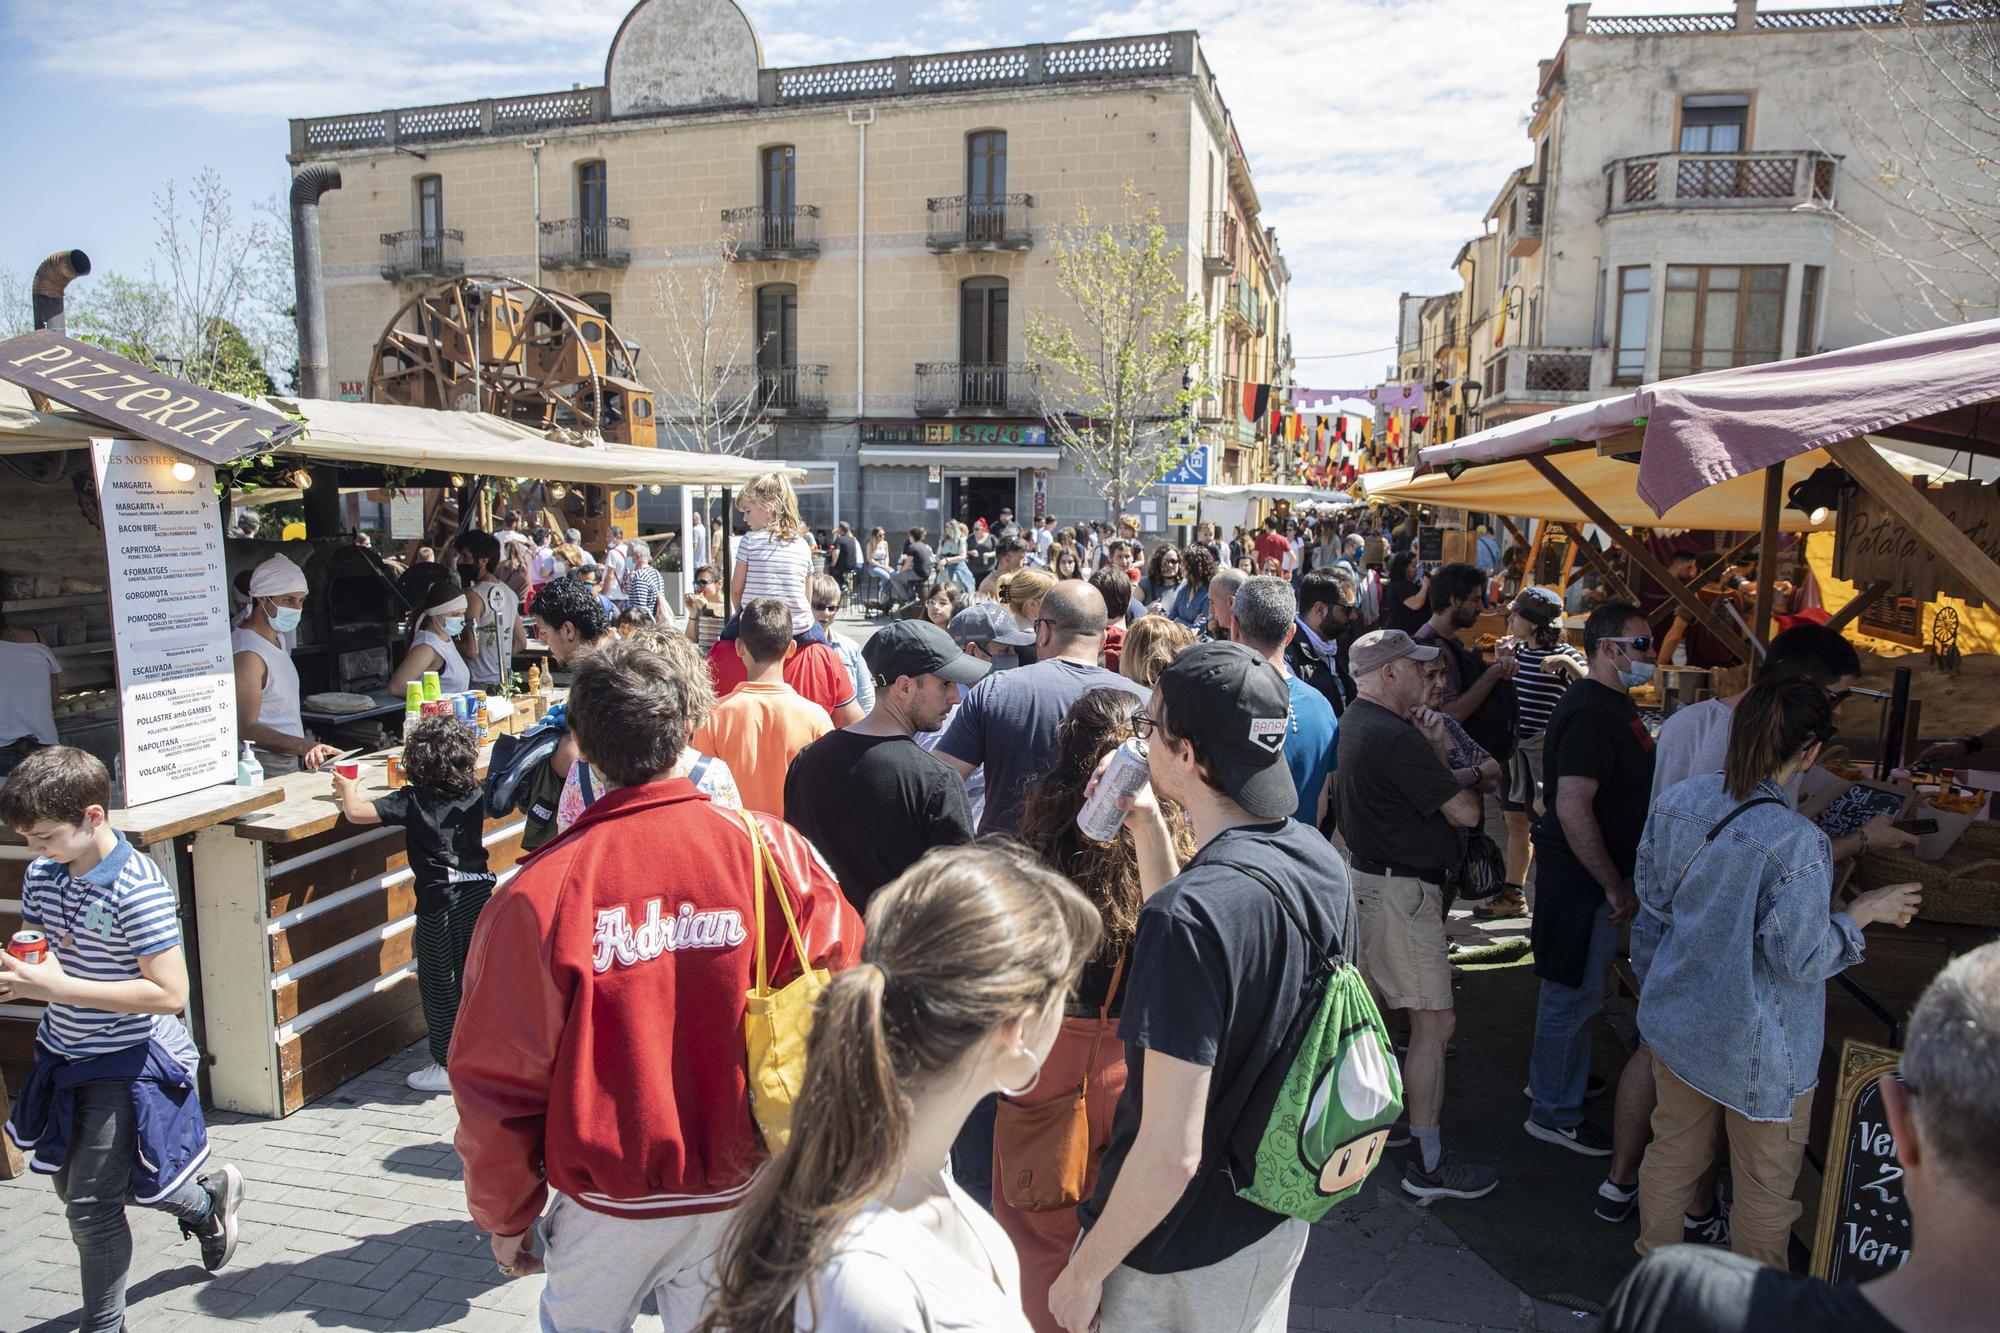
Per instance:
x=776, y=1023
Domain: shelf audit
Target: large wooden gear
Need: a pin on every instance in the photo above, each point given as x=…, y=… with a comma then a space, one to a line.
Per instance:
x=539, y=357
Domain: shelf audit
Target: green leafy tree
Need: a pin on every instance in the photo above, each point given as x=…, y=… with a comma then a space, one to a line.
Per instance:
x=1121, y=370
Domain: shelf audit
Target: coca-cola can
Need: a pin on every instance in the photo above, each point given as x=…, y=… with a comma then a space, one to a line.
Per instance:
x=1101, y=817
x=30, y=946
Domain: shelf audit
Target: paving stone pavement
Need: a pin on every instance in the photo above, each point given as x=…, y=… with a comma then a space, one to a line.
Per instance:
x=355, y=1219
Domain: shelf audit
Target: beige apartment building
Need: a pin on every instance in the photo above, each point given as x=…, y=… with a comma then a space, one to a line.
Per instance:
x=888, y=224
x=1698, y=195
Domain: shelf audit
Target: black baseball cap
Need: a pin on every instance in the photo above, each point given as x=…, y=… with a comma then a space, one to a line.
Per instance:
x=1236, y=707
x=916, y=647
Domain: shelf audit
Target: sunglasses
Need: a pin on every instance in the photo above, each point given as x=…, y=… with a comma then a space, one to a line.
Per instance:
x=826, y=606
x=704, y=583
x=1640, y=642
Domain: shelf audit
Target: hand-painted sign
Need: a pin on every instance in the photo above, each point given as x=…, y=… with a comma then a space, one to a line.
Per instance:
x=953, y=432
x=1872, y=543
x=139, y=400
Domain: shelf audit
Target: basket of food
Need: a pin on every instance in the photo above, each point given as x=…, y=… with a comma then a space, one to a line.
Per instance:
x=1954, y=812
x=1962, y=886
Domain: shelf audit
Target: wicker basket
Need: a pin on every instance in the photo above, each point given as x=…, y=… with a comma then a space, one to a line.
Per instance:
x=1962, y=888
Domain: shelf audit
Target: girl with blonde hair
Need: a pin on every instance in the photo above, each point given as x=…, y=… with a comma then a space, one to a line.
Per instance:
x=1021, y=593
x=1150, y=644
x=774, y=559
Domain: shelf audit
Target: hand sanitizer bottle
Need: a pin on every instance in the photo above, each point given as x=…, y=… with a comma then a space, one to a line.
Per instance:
x=249, y=773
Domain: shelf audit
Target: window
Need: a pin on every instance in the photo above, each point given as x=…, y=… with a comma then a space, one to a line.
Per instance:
x=1715, y=123
x=777, y=345
x=778, y=172
x=598, y=301
x=1715, y=316
x=1635, y=308
x=592, y=209
x=1809, y=284
x=982, y=342
x=430, y=223
x=986, y=185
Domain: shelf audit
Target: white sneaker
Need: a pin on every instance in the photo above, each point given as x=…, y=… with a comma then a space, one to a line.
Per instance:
x=431, y=1078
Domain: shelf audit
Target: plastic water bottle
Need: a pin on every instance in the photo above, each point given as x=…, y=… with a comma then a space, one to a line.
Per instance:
x=1101, y=817
x=249, y=773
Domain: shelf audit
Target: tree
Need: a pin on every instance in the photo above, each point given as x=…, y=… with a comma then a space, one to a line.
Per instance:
x=709, y=388
x=1929, y=153
x=1118, y=380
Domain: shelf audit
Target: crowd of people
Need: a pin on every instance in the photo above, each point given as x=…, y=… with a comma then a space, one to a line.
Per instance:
x=1032, y=1046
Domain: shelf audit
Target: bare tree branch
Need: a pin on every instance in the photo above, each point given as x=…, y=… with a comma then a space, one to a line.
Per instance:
x=708, y=384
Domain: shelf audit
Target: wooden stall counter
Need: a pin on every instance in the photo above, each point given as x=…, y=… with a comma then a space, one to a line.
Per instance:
x=307, y=926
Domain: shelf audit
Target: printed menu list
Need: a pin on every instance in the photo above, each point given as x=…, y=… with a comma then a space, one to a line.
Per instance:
x=169, y=619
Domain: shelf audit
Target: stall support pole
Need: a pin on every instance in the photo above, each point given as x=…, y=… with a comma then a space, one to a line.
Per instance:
x=1767, y=551
x=1595, y=559
x=1683, y=597
x=729, y=607
x=1722, y=561
x=1858, y=603
x=1874, y=474
x=1891, y=757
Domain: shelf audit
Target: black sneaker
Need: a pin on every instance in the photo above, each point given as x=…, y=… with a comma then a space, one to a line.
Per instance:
x=1453, y=1179
x=1710, y=1230
x=1582, y=1137
x=1615, y=1202
x=218, y=1233
x=1593, y=1088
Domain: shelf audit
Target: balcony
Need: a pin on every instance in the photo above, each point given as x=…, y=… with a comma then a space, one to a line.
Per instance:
x=1785, y=179
x=962, y=224
x=976, y=388
x=1538, y=376
x=1218, y=247
x=761, y=232
x=422, y=255
x=1525, y=235
x=779, y=390
x=581, y=243
x=1245, y=308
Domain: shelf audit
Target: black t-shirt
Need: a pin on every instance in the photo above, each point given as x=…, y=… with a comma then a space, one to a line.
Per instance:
x=1698, y=1289
x=980, y=557
x=1217, y=974
x=845, y=558
x=1396, y=615
x=922, y=559
x=444, y=836
x=1596, y=732
x=1390, y=792
x=872, y=805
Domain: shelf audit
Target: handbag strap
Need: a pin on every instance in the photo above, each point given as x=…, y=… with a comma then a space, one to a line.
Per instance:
x=1103, y=1022
x=760, y=860
x=1707, y=839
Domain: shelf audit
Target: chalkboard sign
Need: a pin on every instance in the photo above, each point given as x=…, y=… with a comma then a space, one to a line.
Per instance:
x=1864, y=1221
x=1839, y=812
x=1897, y=619
x=1549, y=564
x=1430, y=545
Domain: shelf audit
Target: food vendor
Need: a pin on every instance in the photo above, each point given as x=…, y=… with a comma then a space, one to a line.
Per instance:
x=267, y=684
x=29, y=680
x=435, y=627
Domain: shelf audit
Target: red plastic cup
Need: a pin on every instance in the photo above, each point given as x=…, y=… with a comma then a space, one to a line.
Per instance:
x=349, y=769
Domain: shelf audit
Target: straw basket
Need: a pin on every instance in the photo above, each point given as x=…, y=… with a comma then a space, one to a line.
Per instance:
x=1963, y=887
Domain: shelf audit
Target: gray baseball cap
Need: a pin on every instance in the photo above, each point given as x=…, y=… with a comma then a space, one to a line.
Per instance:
x=1378, y=648
x=988, y=622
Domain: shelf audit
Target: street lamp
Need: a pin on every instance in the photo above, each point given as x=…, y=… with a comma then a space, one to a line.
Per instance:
x=1471, y=389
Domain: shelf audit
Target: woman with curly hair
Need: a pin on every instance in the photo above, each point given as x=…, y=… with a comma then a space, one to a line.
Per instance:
x=1116, y=877
x=1163, y=578
x=1189, y=606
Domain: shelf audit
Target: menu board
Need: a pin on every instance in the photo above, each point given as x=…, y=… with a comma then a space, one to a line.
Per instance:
x=169, y=619
x=1864, y=1219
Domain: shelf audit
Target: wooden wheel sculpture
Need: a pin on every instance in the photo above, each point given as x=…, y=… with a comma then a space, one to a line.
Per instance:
x=1944, y=639
x=539, y=357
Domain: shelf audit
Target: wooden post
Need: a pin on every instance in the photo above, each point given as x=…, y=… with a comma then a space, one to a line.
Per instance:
x=1874, y=474
x=1683, y=597
x=1722, y=561
x=1595, y=559
x=12, y=1164
x=1767, y=552
x=1858, y=603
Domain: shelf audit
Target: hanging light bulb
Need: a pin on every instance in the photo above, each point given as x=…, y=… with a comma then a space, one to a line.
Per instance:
x=302, y=479
x=183, y=472
x=653, y=489
x=557, y=490
x=457, y=480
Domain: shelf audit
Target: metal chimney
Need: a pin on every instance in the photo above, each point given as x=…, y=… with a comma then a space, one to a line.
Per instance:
x=307, y=187
x=56, y=273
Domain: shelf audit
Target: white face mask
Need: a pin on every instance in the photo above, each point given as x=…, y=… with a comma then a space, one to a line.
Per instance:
x=285, y=619
x=454, y=626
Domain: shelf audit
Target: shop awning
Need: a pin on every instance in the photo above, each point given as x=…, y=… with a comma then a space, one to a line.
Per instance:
x=383, y=435
x=1295, y=494
x=954, y=459
x=1514, y=488
x=1705, y=430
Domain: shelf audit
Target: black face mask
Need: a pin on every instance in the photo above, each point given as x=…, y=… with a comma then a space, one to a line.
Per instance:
x=468, y=574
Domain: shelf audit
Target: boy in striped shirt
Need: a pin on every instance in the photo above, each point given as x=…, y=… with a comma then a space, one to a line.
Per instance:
x=110, y=1041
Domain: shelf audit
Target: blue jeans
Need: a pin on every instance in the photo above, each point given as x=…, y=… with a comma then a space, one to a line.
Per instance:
x=1559, y=1068
x=93, y=1185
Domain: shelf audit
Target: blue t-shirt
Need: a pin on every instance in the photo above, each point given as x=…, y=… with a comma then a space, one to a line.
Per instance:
x=1311, y=746
x=99, y=924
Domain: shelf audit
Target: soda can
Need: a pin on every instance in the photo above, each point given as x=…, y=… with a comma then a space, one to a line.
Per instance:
x=1100, y=817
x=30, y=946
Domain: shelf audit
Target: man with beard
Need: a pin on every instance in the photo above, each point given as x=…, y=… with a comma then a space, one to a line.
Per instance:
x=1476, y=696
x=1326, y=619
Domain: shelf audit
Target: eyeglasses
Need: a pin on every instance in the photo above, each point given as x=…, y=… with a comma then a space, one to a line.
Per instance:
x=826, y=606
x=704, y=583
x=1143, y=725
x=1640, y=642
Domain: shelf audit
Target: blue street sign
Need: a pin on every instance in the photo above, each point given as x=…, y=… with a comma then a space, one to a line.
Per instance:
x=1193, y=469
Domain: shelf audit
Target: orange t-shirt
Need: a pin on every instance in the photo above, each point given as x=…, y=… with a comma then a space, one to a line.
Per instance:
x=757, y=730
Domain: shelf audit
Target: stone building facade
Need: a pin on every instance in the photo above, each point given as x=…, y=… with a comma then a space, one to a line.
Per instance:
x=889, y=219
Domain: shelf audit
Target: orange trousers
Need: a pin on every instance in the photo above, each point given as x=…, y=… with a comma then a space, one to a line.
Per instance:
x=1044, y=1240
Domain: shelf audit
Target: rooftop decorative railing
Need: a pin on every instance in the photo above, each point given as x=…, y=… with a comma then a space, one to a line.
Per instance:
x=1792, y=20
x=1779, y=179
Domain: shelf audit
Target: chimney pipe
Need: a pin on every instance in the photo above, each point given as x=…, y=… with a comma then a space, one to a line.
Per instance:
x=307, y=187
x=56, y=273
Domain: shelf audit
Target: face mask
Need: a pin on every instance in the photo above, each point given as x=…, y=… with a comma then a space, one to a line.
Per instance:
x=454, y=626
x=1634, y=674
x=468, y=575
x=285, y=619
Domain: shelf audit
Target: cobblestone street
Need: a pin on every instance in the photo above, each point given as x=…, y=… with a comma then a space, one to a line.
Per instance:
x=355, y=1220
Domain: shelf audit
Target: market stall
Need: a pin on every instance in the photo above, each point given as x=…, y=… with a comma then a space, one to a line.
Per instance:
x=298, y=928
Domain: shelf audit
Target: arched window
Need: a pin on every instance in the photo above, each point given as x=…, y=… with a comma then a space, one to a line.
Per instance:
x=598, y=301
x=593, y=208
x=985, y=185
x=982, y=342
x=778, y=190
x=778, y=345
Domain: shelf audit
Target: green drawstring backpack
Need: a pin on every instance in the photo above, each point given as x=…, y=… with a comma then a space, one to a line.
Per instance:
x=1316, y=1123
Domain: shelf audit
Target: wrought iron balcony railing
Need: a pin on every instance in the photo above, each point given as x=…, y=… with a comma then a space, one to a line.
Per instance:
x=1525, y=235
x=778, y=390
x=580, y=243
x=761, y=232
x=1540, y=375
x=423, y=254
x=961, y=224
x=1719, y=180
x=989, y=388
x=1218, y=249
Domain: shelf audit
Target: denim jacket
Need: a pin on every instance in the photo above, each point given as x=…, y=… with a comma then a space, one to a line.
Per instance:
x=1734, y=955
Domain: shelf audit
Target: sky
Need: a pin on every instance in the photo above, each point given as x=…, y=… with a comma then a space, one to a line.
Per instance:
x=1378, y=131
